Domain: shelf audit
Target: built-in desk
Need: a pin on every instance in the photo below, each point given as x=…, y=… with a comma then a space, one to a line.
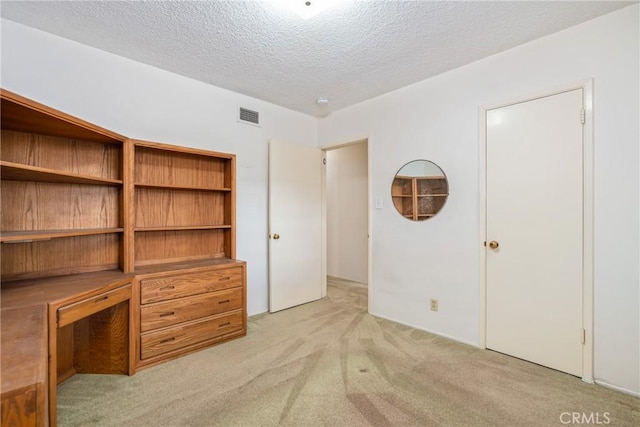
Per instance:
x=84, y=321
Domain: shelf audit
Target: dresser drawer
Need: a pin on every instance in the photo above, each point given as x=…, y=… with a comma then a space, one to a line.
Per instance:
x=154, y=290
x=177, y=337
x=79, y=310
x=162, y=314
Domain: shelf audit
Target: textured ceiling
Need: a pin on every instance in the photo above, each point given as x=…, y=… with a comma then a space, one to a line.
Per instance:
x=358, y=50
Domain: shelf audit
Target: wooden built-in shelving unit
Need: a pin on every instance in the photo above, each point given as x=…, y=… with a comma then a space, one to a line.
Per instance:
x=92, y=224
x=62, y=193
x=184, y=204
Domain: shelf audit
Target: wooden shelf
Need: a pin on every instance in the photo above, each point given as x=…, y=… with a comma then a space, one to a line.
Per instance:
x=419, y=197
x=181, y=228
x=35, y=235
x=24, y=115
x=182, y=150
x=191, y=265
x=18, y=172
x=180, y=187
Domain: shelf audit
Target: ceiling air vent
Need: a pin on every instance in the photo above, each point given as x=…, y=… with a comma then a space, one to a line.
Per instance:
x=249, y=116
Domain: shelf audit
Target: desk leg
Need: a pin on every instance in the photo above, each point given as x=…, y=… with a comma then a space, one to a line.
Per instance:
x=53, y=362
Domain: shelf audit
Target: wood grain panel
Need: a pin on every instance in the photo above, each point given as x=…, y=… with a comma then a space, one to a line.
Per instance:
x=165, y=340
x=165, y=246
x=85, y=308
x=174, y=168
x=63, y=154
x=51, y=206
x=65, y=369
x=157, y=208
x=23, y=365
x=20, y=407
x=60, y=256
x=169, y=313
x=101, y=341
x=127, y=209
x=188, y=284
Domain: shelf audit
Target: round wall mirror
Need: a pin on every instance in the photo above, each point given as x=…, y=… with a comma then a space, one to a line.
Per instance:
x=419, y=190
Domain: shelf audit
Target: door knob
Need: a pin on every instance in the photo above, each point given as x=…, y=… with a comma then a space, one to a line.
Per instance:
x=276, y=236
x=493, y=244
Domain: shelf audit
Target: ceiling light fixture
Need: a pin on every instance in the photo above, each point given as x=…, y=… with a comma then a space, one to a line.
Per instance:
x=323, y=107
x=305, y=8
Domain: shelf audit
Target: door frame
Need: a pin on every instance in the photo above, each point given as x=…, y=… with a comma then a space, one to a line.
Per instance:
x=331, y=147
x=587, y=205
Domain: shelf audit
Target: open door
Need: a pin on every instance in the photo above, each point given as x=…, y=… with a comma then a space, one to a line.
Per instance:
x=295, y=224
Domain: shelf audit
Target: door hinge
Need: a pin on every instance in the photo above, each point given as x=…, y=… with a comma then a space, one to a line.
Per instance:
x=583, y=336
x=324, y=161
x=582, y=116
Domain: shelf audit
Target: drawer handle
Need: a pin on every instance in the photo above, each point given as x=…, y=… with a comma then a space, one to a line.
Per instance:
x=222, y=325
x=171, y=313
x=167, y=288
x=224, y=278
x=102, y=298
x=226, y=301
x=168, y=340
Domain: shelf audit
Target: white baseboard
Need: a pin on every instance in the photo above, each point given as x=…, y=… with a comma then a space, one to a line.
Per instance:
x=617, y=388
x=426, y=330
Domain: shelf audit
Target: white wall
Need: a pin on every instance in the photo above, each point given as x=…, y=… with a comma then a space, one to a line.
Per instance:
x=347, y=212
x=437, y=119
x=147, y=103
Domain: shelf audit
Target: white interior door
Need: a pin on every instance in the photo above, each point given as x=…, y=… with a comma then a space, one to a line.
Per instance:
x=295, y=225
x=535, y=215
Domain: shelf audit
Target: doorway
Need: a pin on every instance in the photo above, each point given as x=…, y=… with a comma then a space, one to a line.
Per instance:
x=347, y=214
x=536, y=226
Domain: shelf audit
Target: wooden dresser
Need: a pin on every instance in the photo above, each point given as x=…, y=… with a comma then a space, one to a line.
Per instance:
x=192, y=306
x=117, y=254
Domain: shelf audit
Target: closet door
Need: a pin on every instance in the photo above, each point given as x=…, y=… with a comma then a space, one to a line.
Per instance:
x=535, y=230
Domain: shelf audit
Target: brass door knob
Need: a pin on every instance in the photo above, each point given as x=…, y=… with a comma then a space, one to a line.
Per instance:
x=493, y=244
x=276, y=236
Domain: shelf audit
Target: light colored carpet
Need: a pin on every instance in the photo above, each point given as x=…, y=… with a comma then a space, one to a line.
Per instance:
x=329, y=363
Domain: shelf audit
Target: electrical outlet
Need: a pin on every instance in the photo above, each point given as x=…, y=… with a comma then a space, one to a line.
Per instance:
x=433, y=305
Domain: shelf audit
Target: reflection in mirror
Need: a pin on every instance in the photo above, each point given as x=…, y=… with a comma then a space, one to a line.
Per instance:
x=419, y=190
